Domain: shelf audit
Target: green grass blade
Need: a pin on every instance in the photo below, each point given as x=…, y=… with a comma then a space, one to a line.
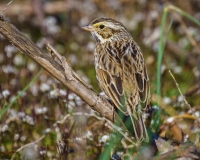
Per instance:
x=113, y=143
x=167, y=35
x=4, y=110
x=161, y=51
x=162, y=44
x=184, y=14
x=157, y=125
x=115, y=138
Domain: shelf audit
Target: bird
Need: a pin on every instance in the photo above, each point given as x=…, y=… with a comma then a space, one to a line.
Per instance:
x=121, y=71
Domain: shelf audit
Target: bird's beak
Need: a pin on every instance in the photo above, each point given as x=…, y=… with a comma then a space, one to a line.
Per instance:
x=88, y=28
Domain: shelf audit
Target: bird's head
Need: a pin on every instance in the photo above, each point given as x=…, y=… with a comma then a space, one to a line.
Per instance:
x=106, y=29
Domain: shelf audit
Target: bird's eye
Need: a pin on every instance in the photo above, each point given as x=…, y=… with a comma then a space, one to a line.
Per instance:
x=101, y=26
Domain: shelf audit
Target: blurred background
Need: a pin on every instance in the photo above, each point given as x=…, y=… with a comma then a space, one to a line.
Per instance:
x=38, y=112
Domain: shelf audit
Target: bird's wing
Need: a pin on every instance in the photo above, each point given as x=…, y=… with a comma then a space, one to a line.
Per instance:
x=135, y=75
x=109, y=75
x=122, y=75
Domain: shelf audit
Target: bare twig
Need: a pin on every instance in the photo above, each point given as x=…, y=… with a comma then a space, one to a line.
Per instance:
x=1, y=13
x=190, y=37
x=183, y=97
x=111, y=125
x=54, y=53
x=177, y=86
x=18, y=150
x=125, y=135
x=80, y=114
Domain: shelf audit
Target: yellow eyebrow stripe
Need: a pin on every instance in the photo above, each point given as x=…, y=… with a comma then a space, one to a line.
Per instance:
x=97, y=24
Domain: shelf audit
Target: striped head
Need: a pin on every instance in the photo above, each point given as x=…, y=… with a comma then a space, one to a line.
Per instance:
x=106, y=29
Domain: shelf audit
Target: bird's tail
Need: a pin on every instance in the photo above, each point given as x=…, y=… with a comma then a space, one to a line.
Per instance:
x=139, y=126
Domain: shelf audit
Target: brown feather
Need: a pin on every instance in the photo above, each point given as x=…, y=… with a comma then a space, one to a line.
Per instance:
x=121, y=71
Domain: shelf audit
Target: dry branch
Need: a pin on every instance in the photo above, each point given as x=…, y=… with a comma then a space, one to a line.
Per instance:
x=57, y=70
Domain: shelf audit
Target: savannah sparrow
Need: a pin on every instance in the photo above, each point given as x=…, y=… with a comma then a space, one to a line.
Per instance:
x=121, y=70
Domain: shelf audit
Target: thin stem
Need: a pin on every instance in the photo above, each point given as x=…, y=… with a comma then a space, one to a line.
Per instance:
x=160, y=51
x=184, y=13
x=4, y=110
